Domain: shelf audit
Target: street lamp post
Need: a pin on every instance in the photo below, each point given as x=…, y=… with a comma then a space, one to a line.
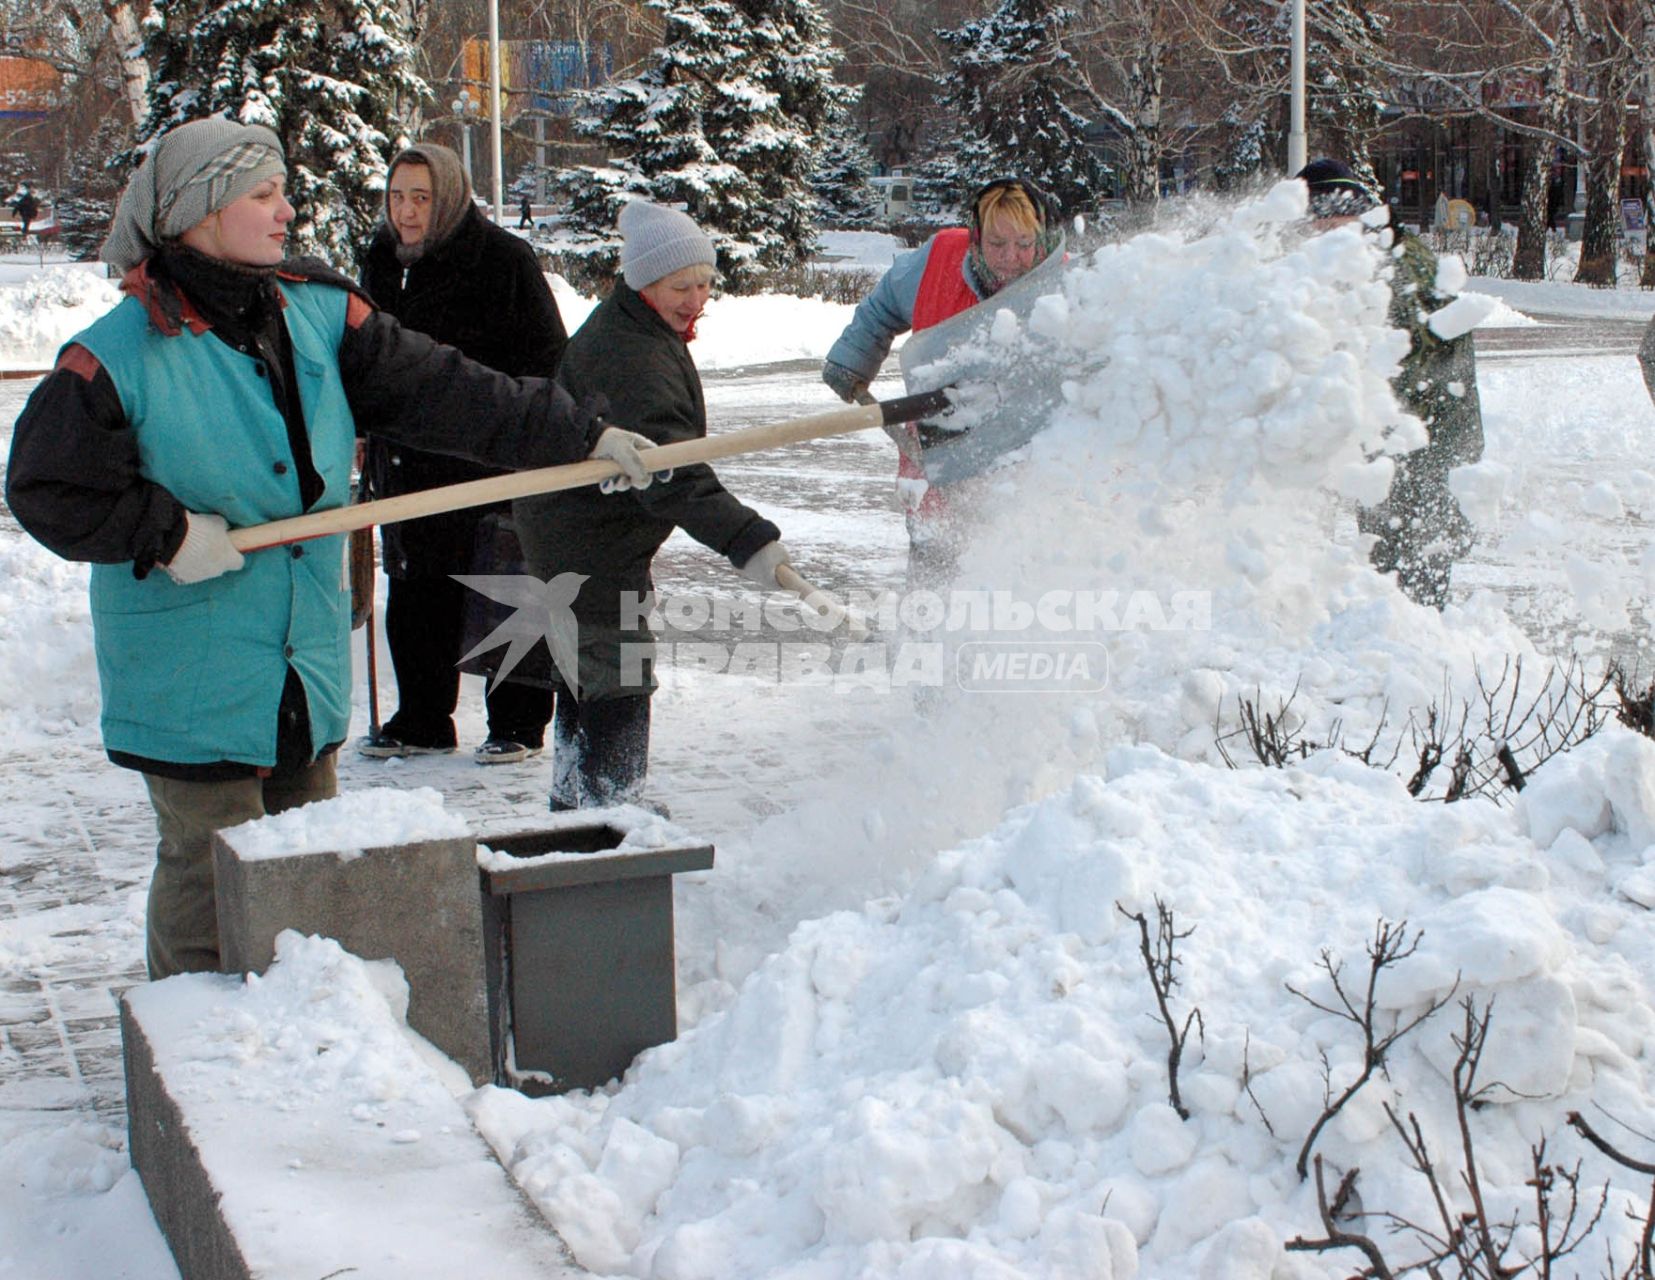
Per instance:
x=1297, y=146
x=494, y=109
x=465, y=108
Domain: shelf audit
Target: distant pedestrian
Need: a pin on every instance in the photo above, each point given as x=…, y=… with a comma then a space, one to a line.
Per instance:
x=525, y=214
x=26, y=206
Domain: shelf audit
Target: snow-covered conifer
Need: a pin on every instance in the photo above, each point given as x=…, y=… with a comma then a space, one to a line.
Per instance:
x=1013, y=86
x=335, y=82
x=727, y=121
x=843, y=196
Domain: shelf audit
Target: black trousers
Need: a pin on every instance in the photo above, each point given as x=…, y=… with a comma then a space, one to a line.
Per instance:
x=600, y=751
x=424, y=621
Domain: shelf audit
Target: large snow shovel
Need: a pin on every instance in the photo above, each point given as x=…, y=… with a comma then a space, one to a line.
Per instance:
x=1004, y=363
x=575, y=475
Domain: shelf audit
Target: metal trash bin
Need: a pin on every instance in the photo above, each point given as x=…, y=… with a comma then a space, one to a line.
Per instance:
x=578, y=939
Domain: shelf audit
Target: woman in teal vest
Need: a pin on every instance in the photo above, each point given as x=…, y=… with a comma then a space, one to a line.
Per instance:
x=227, y=388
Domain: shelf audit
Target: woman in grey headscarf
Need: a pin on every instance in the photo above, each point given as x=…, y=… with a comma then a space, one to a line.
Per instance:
x=439, y=266
x=227, y=389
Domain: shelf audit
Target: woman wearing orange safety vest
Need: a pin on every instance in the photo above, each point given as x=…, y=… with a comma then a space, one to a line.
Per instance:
x=1011, y=226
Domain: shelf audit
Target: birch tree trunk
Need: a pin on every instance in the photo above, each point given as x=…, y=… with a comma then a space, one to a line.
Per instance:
x=1529, y=261
x=129, y=42
x=1600, y=237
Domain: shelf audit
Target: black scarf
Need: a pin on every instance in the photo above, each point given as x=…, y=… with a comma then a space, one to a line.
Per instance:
x=245, y=311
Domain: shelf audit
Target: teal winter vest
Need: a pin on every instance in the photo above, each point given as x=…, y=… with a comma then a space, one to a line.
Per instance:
x=194, y=674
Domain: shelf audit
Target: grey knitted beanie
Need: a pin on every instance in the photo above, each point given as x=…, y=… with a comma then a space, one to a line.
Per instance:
x=194, y=170
x=656, y=241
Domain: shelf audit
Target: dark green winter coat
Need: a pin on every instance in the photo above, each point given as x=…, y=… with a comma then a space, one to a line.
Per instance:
x=1420, y=528
x=630, y=354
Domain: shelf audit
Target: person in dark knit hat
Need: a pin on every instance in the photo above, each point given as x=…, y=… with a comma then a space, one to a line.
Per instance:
x=439, y=266
x=1335, y=190
x=634, y=350
x=227, y=389
x=1419, y=530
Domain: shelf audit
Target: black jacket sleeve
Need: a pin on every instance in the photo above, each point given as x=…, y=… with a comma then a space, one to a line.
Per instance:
x=407, y=388
x=72, y=480
x=541, y=336
x=694, y=499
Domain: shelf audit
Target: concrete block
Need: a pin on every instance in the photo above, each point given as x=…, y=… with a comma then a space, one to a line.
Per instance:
x=415, y=903
x=261, y=1167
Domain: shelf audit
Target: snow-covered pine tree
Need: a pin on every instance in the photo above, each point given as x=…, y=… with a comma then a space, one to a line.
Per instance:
x=1346, y=41
x=726, y=121
x=334, y=80
x=86, y=205
x=1012, y=85
x=843, y=196
x=1344, y=69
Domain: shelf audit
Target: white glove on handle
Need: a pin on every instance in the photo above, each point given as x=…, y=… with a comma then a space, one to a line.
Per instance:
x=761, y=568
x=206, y=550
x=621, y=447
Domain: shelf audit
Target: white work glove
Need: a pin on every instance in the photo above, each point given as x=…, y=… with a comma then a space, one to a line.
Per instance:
x=761, y=567
x=621, y=447
x=206, y=550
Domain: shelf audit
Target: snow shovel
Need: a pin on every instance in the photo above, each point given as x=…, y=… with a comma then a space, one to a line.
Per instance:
x=1005, y=375
x=574, y=475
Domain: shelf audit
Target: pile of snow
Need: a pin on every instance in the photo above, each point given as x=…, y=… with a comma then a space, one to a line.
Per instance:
x=1545, y=297
x=49, y=307
x=970, y=1080
x=962, y=1074
x=1505, y=316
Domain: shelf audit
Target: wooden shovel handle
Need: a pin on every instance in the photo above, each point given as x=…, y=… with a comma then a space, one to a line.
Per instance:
x=573, y=475
x=815, y=598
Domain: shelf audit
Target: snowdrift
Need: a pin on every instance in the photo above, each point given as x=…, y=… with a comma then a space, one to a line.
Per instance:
x=966, y=1074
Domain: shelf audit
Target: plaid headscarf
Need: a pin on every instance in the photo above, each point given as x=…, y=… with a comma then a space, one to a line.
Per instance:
x=193, y=171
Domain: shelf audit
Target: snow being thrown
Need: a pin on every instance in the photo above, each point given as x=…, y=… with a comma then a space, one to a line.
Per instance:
x=963, y=1073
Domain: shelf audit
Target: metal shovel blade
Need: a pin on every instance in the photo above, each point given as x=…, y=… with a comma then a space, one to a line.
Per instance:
x=1005, y=378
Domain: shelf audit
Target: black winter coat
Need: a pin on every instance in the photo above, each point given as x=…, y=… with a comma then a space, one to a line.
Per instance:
x=481, y=291
x=630, y=354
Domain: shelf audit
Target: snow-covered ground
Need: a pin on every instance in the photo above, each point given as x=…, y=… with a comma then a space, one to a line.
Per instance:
x=919, y=1039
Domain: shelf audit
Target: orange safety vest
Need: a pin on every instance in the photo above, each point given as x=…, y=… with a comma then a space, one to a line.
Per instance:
x=942, y=293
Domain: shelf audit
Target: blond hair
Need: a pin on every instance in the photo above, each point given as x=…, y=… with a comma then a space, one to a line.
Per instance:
x=1011, y=207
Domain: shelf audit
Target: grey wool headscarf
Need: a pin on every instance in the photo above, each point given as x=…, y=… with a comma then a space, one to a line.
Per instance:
x=450, y=196
x=194, y=171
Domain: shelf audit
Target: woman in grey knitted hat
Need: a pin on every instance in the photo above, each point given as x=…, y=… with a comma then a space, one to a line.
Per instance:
x=634, y=350
x=227, y=389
